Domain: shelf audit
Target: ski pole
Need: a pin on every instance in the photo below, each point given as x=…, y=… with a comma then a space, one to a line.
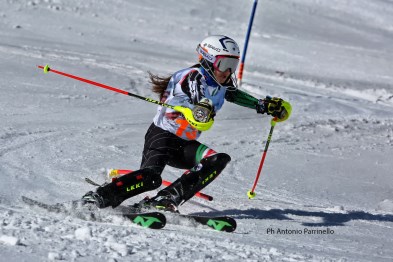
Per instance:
x=184, y=110
x=251, y=194
x=241, y=66
x=116, y=172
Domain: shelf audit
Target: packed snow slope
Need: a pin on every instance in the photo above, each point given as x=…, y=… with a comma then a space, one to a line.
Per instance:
x=329, y=167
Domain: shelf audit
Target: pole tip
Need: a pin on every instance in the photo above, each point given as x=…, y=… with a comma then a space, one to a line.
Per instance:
x=251, y=194
x=46, y=69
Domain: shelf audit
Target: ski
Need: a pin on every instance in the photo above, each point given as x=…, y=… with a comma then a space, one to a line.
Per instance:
x=219, y=223
x=153, y=220
x=91, y=182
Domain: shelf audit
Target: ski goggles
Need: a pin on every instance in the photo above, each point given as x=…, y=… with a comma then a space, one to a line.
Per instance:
x=220, y=62
x=223, y=63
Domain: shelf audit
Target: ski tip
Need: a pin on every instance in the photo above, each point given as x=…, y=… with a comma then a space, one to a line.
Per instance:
x=24, y=198
x=28, y=200
x=46, y=69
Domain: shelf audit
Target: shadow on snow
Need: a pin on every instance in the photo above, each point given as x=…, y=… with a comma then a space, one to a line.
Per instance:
x=328, y=219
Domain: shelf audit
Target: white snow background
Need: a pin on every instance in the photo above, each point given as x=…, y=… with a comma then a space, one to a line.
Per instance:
x=329, y=167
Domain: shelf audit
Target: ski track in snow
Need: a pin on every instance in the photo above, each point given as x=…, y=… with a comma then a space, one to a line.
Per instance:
x=328, y=167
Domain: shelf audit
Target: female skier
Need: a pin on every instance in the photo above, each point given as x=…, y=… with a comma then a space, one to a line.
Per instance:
x=171, y=140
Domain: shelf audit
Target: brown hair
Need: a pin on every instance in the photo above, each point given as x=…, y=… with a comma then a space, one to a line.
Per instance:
x=159, y=83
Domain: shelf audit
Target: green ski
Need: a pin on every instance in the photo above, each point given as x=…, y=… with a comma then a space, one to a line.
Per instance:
x=153, y=220
x=219, y=223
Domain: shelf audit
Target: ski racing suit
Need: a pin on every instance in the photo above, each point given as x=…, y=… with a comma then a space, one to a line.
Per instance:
x=170, y=140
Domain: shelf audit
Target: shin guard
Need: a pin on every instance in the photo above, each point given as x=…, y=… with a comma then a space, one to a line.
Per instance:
x=196, y=179
x=129, y=185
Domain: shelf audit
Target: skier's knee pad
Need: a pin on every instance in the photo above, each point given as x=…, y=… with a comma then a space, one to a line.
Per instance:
x=210, y=166
x=218, y=161
x=203, y=174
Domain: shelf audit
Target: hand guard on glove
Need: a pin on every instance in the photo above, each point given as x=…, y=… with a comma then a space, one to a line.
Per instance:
x=272, y=106
x=203, y=111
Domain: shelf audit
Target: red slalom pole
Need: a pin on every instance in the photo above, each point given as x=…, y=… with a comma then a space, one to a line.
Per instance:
x=115, y=172
x=251, y=194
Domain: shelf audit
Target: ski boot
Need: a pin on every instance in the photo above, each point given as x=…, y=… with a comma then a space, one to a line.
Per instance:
x=93, y=198
x=103, y=197
x=160, y=203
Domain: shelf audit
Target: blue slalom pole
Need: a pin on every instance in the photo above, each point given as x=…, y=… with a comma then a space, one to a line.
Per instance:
x=241, y=67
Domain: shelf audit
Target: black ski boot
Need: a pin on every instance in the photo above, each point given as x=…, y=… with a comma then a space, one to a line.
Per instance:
x=122, y=188
x=93, y=198
x=161, y=203
x=104, y=196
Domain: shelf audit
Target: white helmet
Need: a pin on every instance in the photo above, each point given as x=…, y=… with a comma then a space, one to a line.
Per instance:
x=218, y=52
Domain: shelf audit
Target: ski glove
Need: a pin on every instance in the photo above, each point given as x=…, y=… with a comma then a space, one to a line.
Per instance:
x=203, y=111
x=272, y=106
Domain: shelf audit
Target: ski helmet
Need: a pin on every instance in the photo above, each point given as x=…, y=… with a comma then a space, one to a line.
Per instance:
x=218, y=52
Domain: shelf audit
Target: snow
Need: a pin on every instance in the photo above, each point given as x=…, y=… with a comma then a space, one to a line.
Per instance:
x=83, y=233
x=326, y=190
x=386, y=206
x=9, y=240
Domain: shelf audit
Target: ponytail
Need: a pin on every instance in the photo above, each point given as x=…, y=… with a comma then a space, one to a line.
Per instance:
x=159, y=84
